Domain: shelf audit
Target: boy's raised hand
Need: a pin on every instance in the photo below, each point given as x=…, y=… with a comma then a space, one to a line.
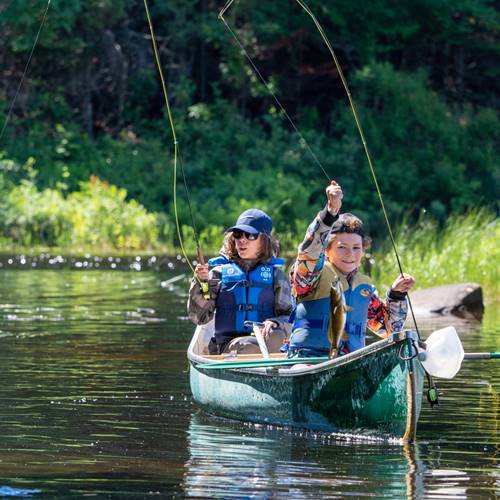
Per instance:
x=403, y=283
x=334, y=195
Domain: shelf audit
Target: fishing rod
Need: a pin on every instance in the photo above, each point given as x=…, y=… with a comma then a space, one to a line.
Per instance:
x=177, y=159
x=25, y=71
x=432, y=394
x=353, y=109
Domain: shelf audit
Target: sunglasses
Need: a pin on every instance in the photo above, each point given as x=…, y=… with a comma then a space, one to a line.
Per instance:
x=239, y=234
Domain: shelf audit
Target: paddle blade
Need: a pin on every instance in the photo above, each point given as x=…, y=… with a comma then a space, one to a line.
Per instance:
x=261, y=341
x=444, y=353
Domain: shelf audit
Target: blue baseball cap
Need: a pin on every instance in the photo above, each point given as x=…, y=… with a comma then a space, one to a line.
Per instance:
x=253, y=221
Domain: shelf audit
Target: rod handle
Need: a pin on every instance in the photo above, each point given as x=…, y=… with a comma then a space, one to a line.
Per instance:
x=201, y=257
x=203, y=284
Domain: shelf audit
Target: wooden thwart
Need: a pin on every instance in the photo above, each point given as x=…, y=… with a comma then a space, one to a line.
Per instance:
x=242, y=357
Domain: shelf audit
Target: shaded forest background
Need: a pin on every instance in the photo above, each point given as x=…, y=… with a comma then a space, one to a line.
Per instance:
x=424, y=75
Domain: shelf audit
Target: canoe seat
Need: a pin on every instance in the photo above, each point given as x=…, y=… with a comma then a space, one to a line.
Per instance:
x=201, y=338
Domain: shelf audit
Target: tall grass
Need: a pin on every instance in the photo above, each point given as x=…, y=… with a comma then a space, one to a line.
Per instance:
x=466, y=249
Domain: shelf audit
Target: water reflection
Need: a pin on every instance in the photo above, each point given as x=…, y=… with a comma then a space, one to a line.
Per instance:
x=249, y=461
x=230, y=460
x=91, y=385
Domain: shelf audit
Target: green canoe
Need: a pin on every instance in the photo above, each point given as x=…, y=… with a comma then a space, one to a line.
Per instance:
x=376, y=391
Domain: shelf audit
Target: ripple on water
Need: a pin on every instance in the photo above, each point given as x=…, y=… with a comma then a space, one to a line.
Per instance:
x=8, y=491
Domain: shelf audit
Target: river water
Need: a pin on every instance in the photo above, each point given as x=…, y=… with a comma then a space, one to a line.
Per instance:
x=95, y=401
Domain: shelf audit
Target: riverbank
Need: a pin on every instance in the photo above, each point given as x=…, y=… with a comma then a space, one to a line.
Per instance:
x=465, y=249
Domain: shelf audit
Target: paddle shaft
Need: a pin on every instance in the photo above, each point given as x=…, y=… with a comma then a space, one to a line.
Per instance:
x=482, y=355
x=220, y=365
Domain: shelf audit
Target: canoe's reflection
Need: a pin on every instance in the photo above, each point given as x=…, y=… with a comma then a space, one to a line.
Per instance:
x=237, y=460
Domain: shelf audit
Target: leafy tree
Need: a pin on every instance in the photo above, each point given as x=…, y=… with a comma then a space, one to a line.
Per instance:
x=423, y=74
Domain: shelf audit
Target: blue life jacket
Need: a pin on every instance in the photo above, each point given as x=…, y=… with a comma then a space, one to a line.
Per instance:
x=312, y=315
x=357, y=298
x=243, y=296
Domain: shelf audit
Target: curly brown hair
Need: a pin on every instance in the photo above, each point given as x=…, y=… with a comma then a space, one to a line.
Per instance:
x=269, y=247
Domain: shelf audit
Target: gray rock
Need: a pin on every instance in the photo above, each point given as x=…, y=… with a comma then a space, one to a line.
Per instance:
x=464, y=300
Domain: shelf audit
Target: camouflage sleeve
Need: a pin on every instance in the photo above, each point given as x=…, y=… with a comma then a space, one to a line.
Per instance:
x=389, y=316
x=200, y=309
x=397, y=304
x=307, y=269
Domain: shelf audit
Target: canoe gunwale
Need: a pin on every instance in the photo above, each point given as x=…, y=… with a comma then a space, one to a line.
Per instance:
x=274, y=371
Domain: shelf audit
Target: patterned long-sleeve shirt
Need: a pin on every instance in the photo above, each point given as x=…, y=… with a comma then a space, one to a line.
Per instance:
x=383, y=316
x=202, y=310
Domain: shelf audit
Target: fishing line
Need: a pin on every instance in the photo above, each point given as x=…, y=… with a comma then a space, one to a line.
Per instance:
x=9, y=113
x=303, y=140
x=177, y=156
x=358, y=125
x=188, y=197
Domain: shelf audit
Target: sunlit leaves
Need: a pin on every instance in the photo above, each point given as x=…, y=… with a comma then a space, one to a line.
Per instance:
x=98, y=216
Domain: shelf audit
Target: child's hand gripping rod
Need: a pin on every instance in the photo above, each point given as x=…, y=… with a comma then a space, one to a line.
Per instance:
x=256, y=326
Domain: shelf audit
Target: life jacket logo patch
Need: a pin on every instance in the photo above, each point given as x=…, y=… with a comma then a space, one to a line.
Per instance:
x=265, y=273
x=230, y=271
x=364, y=292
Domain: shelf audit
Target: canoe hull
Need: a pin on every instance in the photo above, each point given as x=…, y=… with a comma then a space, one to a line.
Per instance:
x=375, y=391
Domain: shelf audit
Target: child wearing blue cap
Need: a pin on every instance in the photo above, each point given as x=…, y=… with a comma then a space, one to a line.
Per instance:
x=245, y=284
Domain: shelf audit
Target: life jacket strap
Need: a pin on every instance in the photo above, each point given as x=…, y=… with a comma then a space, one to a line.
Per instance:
x=247, y=284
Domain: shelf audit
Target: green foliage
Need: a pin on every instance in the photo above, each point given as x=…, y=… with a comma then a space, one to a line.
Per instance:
x=70, y=24
x=100, y=215
x=65, y=156
x=465, y=249
x=426, y=154
x=97, y=216
x=34, y=217
x=423, y=76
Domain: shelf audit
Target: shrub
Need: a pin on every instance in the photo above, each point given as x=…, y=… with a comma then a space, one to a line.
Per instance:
x=98, y=215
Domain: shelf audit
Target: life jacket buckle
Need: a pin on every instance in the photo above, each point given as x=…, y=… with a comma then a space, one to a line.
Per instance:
x=246, y=307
